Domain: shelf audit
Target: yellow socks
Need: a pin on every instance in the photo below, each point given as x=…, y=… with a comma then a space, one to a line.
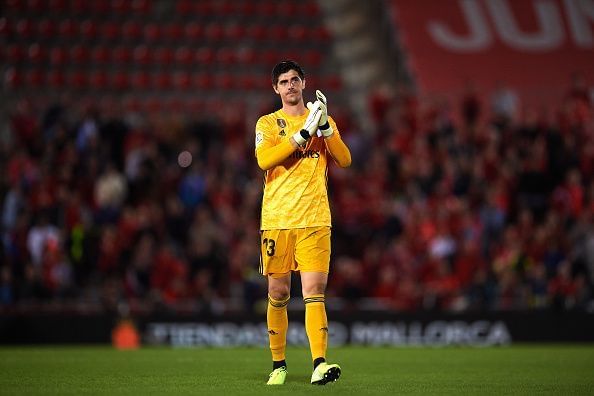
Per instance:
x=316, y=325
x=278, y=323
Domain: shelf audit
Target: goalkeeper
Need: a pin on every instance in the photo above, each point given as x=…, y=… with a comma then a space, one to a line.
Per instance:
x=293, y=146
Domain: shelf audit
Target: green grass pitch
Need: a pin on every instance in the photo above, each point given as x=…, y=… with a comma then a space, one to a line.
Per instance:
x=518, y=369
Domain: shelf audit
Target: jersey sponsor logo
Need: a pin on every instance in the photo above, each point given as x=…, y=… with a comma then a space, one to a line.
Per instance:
x=306, y=154
x=259, y=138
x=281, y=123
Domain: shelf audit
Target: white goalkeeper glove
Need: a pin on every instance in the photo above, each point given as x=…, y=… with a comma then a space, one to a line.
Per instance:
x=310, y=126
x=325, y=127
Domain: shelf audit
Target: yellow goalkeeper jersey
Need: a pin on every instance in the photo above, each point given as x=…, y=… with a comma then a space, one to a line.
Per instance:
x=296, y=190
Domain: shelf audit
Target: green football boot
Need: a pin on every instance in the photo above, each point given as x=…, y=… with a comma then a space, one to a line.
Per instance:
x=278, y=376
x=325, y=373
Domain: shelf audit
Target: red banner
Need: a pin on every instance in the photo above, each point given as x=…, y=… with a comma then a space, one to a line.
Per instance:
x=533, y=45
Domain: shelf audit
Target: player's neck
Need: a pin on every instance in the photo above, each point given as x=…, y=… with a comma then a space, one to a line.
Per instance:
x=294, y=110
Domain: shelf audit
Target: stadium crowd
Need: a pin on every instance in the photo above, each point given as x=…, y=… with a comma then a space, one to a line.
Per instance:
x=475, y=204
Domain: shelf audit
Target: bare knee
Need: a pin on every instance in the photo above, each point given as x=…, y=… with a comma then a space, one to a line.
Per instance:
x=278, y=289
x=312, y=289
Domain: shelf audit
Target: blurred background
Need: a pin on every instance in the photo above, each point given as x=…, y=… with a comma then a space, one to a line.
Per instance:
x=129, y=187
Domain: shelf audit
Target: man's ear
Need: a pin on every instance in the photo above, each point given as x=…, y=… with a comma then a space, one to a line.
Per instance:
x=275, y=90
x=303, y=84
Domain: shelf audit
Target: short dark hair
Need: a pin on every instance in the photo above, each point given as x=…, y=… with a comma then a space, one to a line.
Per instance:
x=285, y=66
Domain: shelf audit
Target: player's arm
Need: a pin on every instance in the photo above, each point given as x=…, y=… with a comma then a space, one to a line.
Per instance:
x=334, y=143
x=336, y=147
x=269, y=155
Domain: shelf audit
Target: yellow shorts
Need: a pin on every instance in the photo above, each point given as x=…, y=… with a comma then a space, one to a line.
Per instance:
x=299, y=249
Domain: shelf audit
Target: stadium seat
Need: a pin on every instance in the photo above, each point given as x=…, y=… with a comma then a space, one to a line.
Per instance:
x=15, y=53
x=256, y=32
x=193, y=31
x=76, y=79
x=278, y=31
x=140, y=80
x=58, y=56
x=246, y=55
x=142, y=7
x=110, y=31
x=297, y=32
x=98, y=80
x=173, y=32
x=225, y=56
x=36, y=6
x=13, y=78
x=214, y=31
x=88, y=29
x=121, y=55
x=47, y=29
x=121, y=7
x=205, y=56
x=5, y=27
x=131, y=31
x=163, y=56
x=79, y=54
x=119, y=80
x=142, y=55
x=25, y=29
x=101, y=55
x=55, y=79
x=35, y=78
x=184, y=56
x=162, y=80
x=234, y=31
x=36, y=53
x=57, y=6
x=202, y=81
x=182, y=80
x=151, y=32
x=15, y=5
x=184, y=7
x=68, y=29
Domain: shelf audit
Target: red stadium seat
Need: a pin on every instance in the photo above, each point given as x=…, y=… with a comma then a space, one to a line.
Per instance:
x=173, y=32
x=256, y=32
x=110, y=31
x=57, y=6
x=142, y=7
x=214, y=31
x=162, y=80
x=234, y=31
x=205, y=55
x=99, y=80
x=36, y=53
x=15, y=5
x=193, y=31
x=141, y=80
x=119, y=80
x=36, y=6
x=287, y=9
x=202, y=81
x=5, y=27
x=101, y=55
x=164, y=56
x=35, y=78
x=246, y=55
x=25, y=28
x=55, y=79
x=58, y=56
x=184, y=56
x=226, y=56
x=47, y=28
x=77, y=79
x=13, y=78
x=151, y=32
x=182, y=80
x=100, y=7
x=80, y=6
x=131, y=31
x=203, y=8
x=121, y=7
x=121, y=55
x=297, y=32
x=15, y=53
x=224, y=81
x=88, y=29
x=278, y=32
x=184, y=7
x=267, y=8
x=142, y=55
x=79, y=54
x=68, y=29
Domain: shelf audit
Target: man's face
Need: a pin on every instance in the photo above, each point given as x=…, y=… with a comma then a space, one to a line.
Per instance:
x=290, y=87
